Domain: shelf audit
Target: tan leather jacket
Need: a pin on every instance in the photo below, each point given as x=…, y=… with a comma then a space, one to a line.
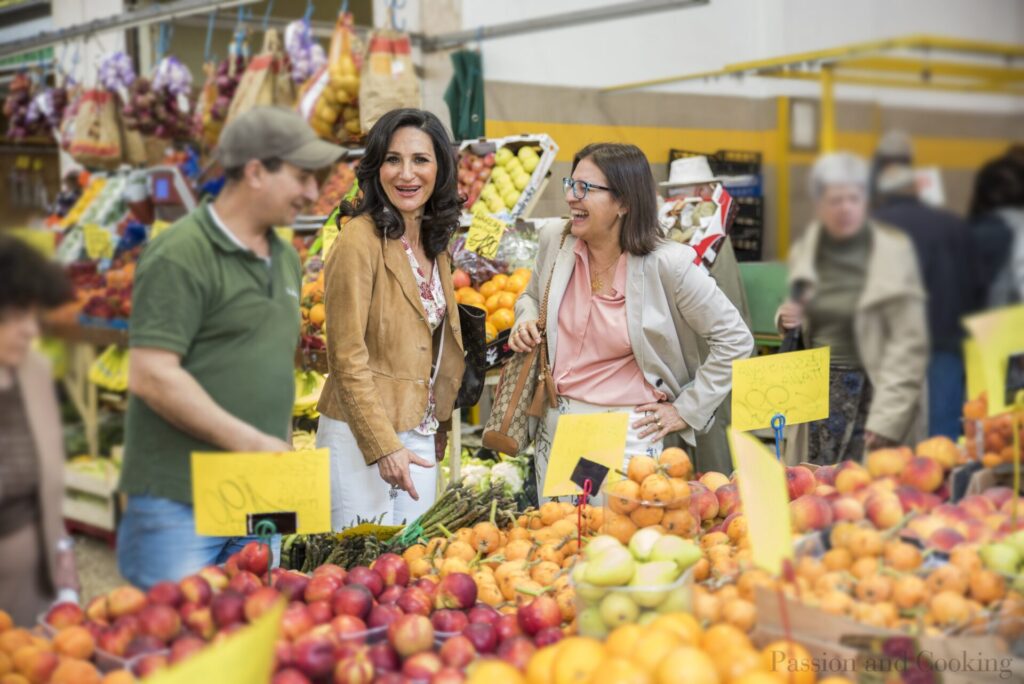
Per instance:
x=380, y=349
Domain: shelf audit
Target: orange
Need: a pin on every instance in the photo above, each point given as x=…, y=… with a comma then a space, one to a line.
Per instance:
x=758, y=677
x=683, y=625
x=317, y=314
x=503, y=319
x=463, y=291
x=740, y=613
x=646, y=516
x=475, y=299
x=622, y=642
x=540, y=669
x=723, y=637
x=619, y=671
x=492, y=302
x=687, y=665
x=524, y=272
x=500, y=281
x=488, y=671
x=516, y=283
x=790, y=659
x=488, y=289
x=640, y=467
x=735, y=663
x=675, y=462
x=491, y=331
x=655, y=645
x=507, y=300
x=578, y=658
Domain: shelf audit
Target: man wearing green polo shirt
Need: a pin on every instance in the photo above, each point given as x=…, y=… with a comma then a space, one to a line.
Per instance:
x=215, y=324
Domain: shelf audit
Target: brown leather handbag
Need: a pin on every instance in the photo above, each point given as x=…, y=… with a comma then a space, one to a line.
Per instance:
x=525, y=390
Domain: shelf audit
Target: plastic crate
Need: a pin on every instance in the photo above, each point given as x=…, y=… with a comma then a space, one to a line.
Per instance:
x=724, y=162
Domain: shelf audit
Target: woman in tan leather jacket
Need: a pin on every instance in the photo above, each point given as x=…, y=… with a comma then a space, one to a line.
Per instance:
x=393, y=337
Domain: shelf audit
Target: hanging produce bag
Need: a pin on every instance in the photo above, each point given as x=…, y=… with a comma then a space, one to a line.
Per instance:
x=110, y=370
x=329, y=99
x=96, y=140
x=389, y=79
x=267, y=80
x=222, y=80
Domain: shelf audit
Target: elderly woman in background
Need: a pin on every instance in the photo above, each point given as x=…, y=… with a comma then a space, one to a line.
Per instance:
x=37, y=562
x=863, y=297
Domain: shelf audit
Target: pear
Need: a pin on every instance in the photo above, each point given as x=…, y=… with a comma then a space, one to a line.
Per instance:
x=682, y=551
x=643, y=542
x=599, y=545
x=1000, y=557
x=617, y=608
x=613, y=568
x=584, y=589
x=647, y=617
x=678, y=601
x=653, y=580
x=590, y=624
x=1016, y=540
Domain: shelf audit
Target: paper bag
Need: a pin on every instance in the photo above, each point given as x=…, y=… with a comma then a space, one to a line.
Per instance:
x=389, y=78
x=97, y=137
x=266, y=81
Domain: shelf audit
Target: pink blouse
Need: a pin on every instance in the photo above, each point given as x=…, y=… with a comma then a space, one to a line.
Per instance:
x=594, y=360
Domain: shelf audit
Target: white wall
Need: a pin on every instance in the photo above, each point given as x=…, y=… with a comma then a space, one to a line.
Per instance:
x=728, y=31
x=71, y=12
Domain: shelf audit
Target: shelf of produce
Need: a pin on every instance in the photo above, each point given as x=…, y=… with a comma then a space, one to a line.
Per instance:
x=90, y=495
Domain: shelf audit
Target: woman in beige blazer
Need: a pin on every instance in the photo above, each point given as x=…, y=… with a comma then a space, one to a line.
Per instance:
x=863, y=299
x=36, y=559
x=626, y=310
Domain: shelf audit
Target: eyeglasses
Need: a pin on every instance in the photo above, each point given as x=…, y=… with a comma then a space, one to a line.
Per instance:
x=580, y=188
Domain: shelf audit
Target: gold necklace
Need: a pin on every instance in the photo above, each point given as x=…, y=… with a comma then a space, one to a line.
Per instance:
x=596, y=282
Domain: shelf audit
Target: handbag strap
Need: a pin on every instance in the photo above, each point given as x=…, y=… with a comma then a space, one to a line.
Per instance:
x=543, y=320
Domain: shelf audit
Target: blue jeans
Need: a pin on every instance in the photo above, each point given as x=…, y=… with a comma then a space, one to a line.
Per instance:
x=157, y=541
x=945, y=394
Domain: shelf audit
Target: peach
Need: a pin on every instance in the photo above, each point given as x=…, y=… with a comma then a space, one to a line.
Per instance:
x=36, y=664
x=74, y=641
x=196, y=590
x=884, y=511
x=706, y=503
x=847, y=508
x=713, y=480
x=160, y=621
x=65, y=615
x=945, y=539
x=851, y=477
x=72, y=671
x=882, y=462
x=924, y=474
x=728, y=499
x=199, y=619
x=911, y=499
x=925, y=526
x=977, y=506
x=810, y=512
x=216, y=576
x=125, y=601
x=826, y=491
x=119, y=677
x=115, y=639
x=799, y=481
x=998, y=495
x=940, y=449
x=1008, y=508
x=826, y=475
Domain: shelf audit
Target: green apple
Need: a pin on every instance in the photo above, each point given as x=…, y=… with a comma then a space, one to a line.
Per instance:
x=531, y=163
x=599, y=545
x=613, y=568
x=490, y=190
x=495, y=205
x=479, y=205
x=681, y=551
x=653, y=579
x=510, y=197
x=642, y=543
x=525, y=152
x=617, y=608
x=498, y=173
x=514, y=166
x=504, y=184
x=678, y=601
x=1016, y=540
x=521, y=180
x=590, y=624
x=502, y=156
x=1000, y=557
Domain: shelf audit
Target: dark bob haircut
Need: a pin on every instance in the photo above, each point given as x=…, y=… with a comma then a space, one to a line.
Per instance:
x=441, y=213
x=28, y=279
x=630, y=178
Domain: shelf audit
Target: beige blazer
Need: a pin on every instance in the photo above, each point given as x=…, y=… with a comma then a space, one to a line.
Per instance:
x=671, y=305
x=35, y=381
x=891, y=334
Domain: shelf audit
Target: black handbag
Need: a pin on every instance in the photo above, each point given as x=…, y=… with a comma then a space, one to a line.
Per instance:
x=473, y=322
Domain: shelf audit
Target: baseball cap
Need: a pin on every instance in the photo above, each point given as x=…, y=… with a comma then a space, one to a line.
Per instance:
x=274, y=132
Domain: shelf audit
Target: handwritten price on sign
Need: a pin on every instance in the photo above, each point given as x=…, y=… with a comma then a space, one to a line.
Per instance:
x=228, y=487
x=98, y=242
x=485, y=234
x=793, y=384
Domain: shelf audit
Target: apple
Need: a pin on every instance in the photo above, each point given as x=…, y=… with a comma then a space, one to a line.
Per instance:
x=847, y=508
x=296, y=620
x=160, y=621
x=384, y=657
x=290, y=676
x=392, y=568
x=352, y=599
x=924, y=474
x=517, y=652
x=415, y=601
x=283, y=654
x=391, y=594
x=370, y=579
x=411, y=634
x=260, y=601
x=320, y=612
x=217, y=578
x=810, y=512
x=65, y=614
x=185, y=647
x=448, y=675
x=483, y=636
x=196, y=589
x=446, y=620
x=383, y=614
x=507, y=627
x=482, y=612
x=458, y=652
x=538, y=614
x=548, y=636
x=292, y=585
x=313, y=655
x=227, y=608
x=244, y=583
x=799, y=481
x=166, y=593
x=331, y=570
x=125, y=601
x=428, y=585
x=349, y=628
x=457, y=590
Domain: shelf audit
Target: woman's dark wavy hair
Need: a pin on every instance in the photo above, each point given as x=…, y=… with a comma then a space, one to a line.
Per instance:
x=441, y=213
x=28, y=279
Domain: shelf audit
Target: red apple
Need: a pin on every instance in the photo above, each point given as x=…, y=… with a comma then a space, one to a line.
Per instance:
x=166, y=593
x=290, y=676
x=228, y=608
x=125, y=601
x=411, y=634
x=216, y=576
x=922, y=473
x=517, y=652
x=458, y=652
x=810, y=512
x=799, y=481
x=392, y=568
x=296, y=620
x=292, y=584
x=415, y=601
x=185, y=647
x=383, y=614
x=313, y=654
x=355, y=669
x=538, y=614
x=260, y=601
x=370, y=579
x=457, y=591
x=507, y=627
x=384, y=657
x=450, y=621
x=321, y=588
x=160, y=621
x=245, y=583
x=196, y=590
x=391, y=594
x=548, y=636
x=255, y=557
x=704, y=501
x=65, y=615
x=422, y=666
x=391, y=678
x=321, y=612
x=728, y=499
x=483, y=636
x=482, y=612
x=352, y=599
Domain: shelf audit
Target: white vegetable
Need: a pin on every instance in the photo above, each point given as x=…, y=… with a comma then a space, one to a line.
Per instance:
x=508, y=473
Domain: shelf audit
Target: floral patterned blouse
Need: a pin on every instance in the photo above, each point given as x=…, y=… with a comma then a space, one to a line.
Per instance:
x=432, y=297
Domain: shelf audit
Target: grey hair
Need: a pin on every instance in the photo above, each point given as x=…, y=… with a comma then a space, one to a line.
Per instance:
x=838, y=168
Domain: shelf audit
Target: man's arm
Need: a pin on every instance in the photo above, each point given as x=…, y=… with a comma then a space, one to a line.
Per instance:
x=156, y=377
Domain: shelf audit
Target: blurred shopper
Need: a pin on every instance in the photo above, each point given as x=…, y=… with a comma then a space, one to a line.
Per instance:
x=215, y=324
x=627, y=311
x=940, y=242
x=997, y=232
x=37, y=562
x=394, y=340
x=865, y=300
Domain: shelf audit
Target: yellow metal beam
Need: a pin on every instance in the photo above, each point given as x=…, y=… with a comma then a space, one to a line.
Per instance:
x=889, y=82
x=931, y=67
x=827, y=114
x=782, y=178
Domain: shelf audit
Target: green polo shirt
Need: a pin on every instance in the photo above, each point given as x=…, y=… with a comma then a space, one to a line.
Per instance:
x=233, y=319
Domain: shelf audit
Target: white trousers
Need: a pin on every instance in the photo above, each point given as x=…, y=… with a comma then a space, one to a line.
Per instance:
x=357, y=490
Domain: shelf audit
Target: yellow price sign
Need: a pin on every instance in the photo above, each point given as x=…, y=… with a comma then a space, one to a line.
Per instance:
x=245, y=656
x=999, y=335
x=158, y=227
x=762, y=485
x=794, y=384
x=99, y=243
x=974, y=369
x=43, y=240
x=598, y=437
x=232, y=491
x=285, y=234
x=485, y=234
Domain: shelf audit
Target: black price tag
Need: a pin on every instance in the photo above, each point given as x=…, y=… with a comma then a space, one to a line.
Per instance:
x=1014, y=377
x=589, y=470
x=285, y=523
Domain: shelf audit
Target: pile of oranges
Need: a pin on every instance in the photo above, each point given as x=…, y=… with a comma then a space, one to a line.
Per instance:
x=312, y=304
x=497, y=296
